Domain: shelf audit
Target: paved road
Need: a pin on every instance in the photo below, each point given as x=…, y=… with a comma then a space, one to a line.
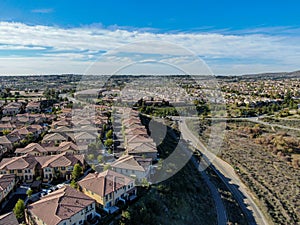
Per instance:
x=225, y=171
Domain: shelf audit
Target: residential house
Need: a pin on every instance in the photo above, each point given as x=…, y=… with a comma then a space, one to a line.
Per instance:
x=61, y=165
x=15, y=138
x=32, y=149
x=9, y=219
x=4, y=141
x=3, y=150
x=136, y=167
x=24, y=167
x=69, y=147
x=22, y=119
x=7, y=184
x=53, y=139
x=2, y=103
x=36, y=130
x=33, y=107
x=108, y=188
x=7, y=119
x=147, y=150
x=12, y=108
x=62, y=122
x=82, y=138
x=27, y=167
x=6, y=127
x=66, y=206
x=136, y=131
x=22, y=132
x=61, y=130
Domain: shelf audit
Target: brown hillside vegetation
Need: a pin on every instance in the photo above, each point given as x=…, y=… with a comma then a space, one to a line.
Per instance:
x=265, y=161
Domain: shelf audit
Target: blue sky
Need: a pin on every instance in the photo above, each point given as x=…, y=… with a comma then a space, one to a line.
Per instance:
x=232, y=37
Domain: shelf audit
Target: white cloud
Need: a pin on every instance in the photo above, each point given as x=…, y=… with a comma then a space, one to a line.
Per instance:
x=241, y=53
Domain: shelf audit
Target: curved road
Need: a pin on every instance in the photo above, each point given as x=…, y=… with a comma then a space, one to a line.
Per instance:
x=237, y=187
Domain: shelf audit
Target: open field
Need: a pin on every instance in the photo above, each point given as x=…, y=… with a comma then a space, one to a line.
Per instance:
x=290, y=122
x=262, y=158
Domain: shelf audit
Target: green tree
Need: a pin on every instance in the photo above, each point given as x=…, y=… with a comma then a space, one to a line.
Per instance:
x=100, y=158
x=77, y=171
x=19, y=209
x=29, y=137
x=106, y=167
x=126, y=217
x=5, y=132
x=29, y=192
x=74, y=184
x=99, y=145
x=109, y=134
x=91, y=157
x=108, y=143
x=145, y=183
x=93, y=167
x=91, y=146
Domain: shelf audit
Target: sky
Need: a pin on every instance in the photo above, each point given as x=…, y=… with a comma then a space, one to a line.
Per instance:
x=194, y=36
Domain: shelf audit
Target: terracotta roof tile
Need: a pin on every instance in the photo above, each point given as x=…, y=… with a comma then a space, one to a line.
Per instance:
x=105, y=182
x=60, y=205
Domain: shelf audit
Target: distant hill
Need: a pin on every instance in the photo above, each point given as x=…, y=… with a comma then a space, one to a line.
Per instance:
x=273, y=76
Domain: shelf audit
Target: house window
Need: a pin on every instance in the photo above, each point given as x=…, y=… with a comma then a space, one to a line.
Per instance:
x=11, y=171
x=63, y=168
x=19, y=171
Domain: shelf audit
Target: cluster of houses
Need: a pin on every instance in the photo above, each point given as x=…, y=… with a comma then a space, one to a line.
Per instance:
x=14, y=108
x=7, y=184
x=81, y=126
x=59, y=150
x=133, y=136
x=28, y=167
x=22, y=128
x=69, y=206
x=56, y=143
x=255, y=92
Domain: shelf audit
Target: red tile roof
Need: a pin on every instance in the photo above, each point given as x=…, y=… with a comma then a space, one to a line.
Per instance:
x=60, y=205
x=105, y=182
